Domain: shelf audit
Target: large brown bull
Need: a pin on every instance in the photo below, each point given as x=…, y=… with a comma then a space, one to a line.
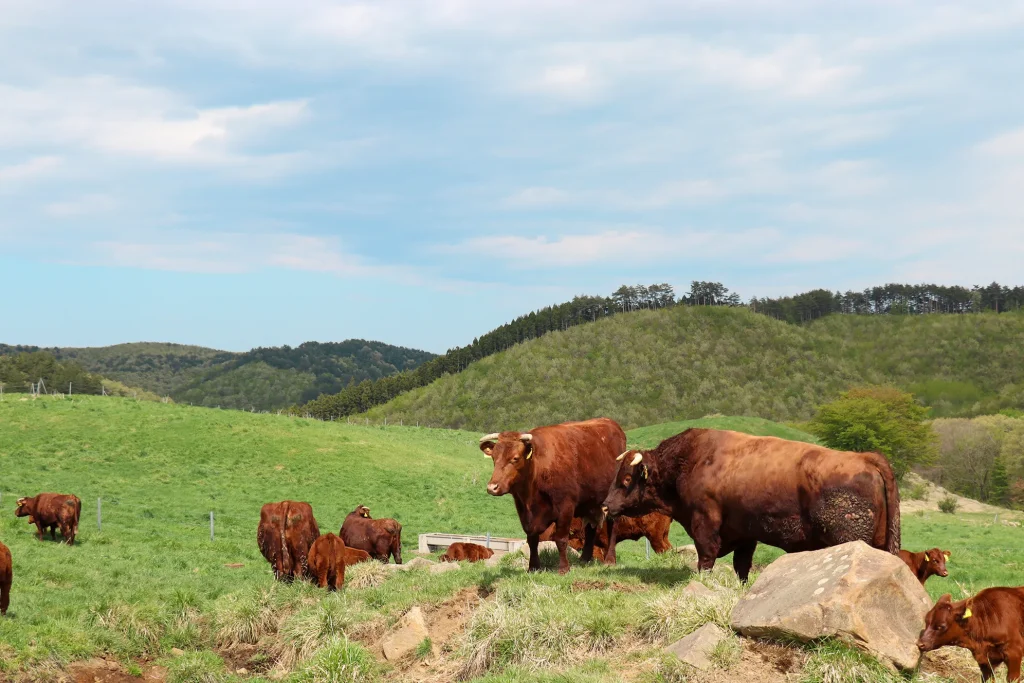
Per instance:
x=381, y=538
x=285, y=534
x=53, y=511
x=556, y=473
x=653, y=526
x=327, y=562
x=6, y=575
x=731, y=491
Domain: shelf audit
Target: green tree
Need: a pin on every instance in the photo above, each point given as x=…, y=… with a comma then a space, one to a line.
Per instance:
x=881, y=419
x=999, y=489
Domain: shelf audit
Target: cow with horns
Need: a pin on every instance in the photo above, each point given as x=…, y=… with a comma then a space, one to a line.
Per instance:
x=555, y=473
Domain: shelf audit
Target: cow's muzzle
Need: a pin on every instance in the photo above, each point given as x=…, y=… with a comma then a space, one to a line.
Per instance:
x=494, y=489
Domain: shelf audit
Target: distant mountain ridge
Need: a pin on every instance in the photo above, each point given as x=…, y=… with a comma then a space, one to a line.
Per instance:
x=265, y=378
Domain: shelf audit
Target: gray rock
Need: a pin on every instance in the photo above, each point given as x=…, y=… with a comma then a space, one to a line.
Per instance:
x=853, y=592
x=407, y=636
x=695, y=649
x=697, y=589
x=444, y=567
x=418, y=562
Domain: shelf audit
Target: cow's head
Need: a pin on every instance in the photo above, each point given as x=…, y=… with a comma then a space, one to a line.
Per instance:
x=362, y=511
x=24, y=508
x=937, y=561
x=628, y=489
x=512, y=453
x=944, y=624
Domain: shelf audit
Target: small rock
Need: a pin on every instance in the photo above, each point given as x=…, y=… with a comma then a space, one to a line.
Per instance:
x=241, y=672
x=697, y=589
x=695, y=649
x=444, y=567
x=112, y=665
x=411, y=631
x=692, y=549
x=177, y=652
x=418, y=562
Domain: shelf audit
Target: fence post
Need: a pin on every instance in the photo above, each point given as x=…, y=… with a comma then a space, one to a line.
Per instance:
x=647, y=542
x=488, y=539
x=211, y=526
x=99, y=514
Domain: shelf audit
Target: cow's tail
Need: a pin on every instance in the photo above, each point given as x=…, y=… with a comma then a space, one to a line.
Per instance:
x=78, y=515
x=892, y=504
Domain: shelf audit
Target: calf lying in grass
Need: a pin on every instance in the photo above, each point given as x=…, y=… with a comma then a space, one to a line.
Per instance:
x=990, y=625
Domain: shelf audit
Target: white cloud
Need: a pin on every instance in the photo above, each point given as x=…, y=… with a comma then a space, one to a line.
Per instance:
x=82, y=206
x=28, y=170
x=1005, y=145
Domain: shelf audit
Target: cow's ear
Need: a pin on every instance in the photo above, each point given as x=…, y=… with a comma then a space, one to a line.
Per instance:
x=529, y=449
x=945, y=553
x=488, y=448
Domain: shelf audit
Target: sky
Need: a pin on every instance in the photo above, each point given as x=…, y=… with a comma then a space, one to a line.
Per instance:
x=240, y=173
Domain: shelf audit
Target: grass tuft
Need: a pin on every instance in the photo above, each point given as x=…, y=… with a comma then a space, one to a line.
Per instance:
x=196, y=667
x=339, y=661
x=674, y=614
x=366, y=575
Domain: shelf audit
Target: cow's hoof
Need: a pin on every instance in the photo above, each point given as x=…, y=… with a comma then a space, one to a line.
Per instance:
x=563, y=570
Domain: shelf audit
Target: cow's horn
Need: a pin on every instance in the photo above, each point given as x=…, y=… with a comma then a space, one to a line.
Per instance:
x=637, y=458
x=526, y=437
x=624, y=454
x=490, y=437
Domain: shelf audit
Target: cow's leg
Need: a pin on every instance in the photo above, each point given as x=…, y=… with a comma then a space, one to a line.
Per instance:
x=589, y=536
x=706, y=538
x=40, y=529
x=5, y=596
x=53, y=532
x=396, y=550
x=743, y=559
x=532, y=540
x=986, y=667
x=1013, y=666
x=562, y=538
x=609, y=553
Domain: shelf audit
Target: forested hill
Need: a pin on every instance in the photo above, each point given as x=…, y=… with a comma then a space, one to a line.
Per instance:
x=685, y=362
x=261, y=379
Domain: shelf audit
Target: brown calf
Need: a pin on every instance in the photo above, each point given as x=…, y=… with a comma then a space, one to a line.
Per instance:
x=355, y=556
x=381, y=538
x=53, y=511
x=6, y=574
x=928, y=563
x=470, y=552
x=653, y=526
x=326, y=562
x=990, y=625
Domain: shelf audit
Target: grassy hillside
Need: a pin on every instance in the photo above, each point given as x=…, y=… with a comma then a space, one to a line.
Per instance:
x=685, y=362
x=152, y=580
x=651, y=436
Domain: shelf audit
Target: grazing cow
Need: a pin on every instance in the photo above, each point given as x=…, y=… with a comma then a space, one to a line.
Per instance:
x=990, y=625
x=327, y=562
x=285, y=534
x=355, y=556
x=653, y=526
x=731, y=491
x=6, y=575
x=556, y=473
x=928, y=563
x=470, y=552
x=381, y=538
x=53, y=511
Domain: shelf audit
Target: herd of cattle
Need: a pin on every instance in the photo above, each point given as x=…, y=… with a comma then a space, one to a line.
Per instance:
x=578, y=485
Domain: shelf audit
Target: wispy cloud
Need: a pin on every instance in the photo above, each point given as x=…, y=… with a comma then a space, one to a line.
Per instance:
x=33, y=168
x=82, y=206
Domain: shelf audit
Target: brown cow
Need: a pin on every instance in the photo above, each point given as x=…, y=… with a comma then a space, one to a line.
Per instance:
x=731, y=491
x=285, y=534
x=381, y=538
x=556, y=473
x=355, y=556
x=470, y=552
x=327, y=562
x=654, y=527
x=990, y=625
x=6, y=575
x=928, y=563
x=53, y=510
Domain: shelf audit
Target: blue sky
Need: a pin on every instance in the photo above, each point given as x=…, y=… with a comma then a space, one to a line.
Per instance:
x=236, y=174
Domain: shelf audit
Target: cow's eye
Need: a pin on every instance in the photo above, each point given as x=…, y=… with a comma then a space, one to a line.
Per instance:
x=515, y=459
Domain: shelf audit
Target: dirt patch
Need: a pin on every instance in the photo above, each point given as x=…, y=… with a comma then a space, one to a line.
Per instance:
x=934, y=493
x=954, y=663
x=110, y=671
x=598, y=585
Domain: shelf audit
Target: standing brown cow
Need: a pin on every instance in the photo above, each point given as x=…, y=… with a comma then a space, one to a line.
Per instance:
x=731, y=491
x=327, y=561
x=381, y=538
x=990, y=625
x=928, y=563
x=285, y=534
x=556, y=473
x=6, y=576
x=53, y=510
x=470, y=552
x=653, y=526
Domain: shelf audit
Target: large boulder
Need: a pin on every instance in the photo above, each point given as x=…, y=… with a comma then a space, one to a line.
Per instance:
x=411, y=631
x=853, y=592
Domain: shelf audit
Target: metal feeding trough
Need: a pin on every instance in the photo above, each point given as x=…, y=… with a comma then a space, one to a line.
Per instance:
x=431, y=543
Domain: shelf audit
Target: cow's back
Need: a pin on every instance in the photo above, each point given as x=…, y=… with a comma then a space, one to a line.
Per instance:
x=578, y=459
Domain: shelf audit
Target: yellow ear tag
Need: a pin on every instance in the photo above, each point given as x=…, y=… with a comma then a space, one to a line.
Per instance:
x=645, y=471
x=529, y=453
x=967, y=613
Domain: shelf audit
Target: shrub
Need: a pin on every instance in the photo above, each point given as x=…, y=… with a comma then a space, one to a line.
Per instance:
x=916, y=491
x=949, y=504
